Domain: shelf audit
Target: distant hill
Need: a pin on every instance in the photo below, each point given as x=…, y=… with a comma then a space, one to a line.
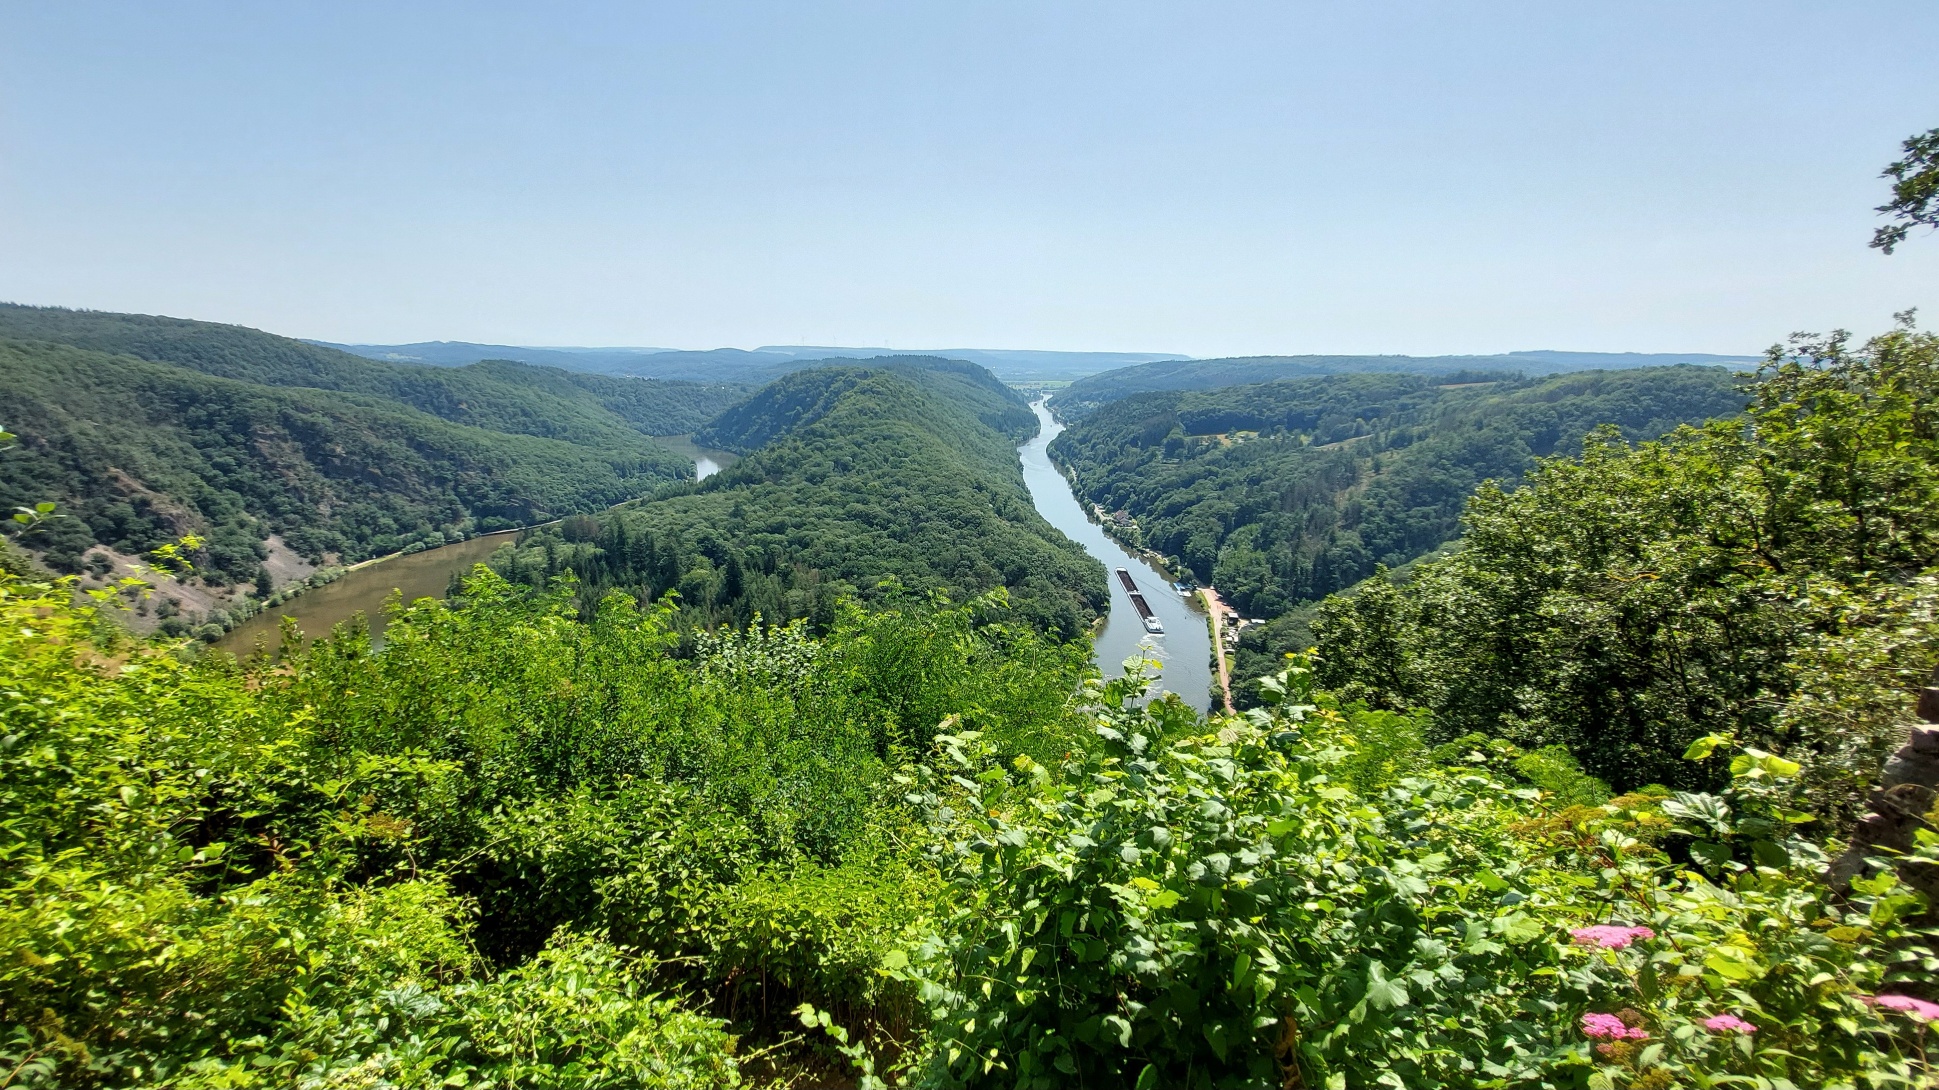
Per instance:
x=730, y=365
x=854, y=475
x=146, y=428
x=1011, y=365
x=459, y=353
x=1088, y=393
x=800, y=399
x=739, y=365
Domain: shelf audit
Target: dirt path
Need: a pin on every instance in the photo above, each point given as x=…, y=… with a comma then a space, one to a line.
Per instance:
x=1216, y=610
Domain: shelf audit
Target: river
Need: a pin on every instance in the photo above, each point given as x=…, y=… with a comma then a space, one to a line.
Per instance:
x=1185, y=649
x=425, y=574
x=362, y=590
x=706, y=460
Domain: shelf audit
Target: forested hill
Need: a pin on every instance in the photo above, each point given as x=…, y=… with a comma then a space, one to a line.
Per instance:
x=798, y=400
x=145, y=429
x=855, y=476
x=499, y=395
x=1284, y=492
x=1088, y=393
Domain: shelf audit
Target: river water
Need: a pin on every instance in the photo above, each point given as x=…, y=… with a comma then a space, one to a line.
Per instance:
x=363, y=590
x=417, y=575
x=706, y=461
x=1185, y=648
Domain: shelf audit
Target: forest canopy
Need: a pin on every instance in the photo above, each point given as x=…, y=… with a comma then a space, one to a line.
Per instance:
x=566, y=830
x=897, y=479
x=1088, y=393
x=147, y=429
x=1282, y=493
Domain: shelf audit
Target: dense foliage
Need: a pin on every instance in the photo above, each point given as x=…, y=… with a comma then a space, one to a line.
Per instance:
x=566, y=831
x=1307, y=898
x=1088, y=393
x=878, y=482
x=488, y=854
x=1769, y=577
x=235, y=435
x=520, y=849
x=1285, y=492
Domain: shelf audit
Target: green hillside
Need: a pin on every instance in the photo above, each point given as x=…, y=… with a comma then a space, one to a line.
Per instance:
x=1089, y=392
x=139, y=453
x=797, y=400
x=1282, y=493
x=853, y=476
x=497, y=395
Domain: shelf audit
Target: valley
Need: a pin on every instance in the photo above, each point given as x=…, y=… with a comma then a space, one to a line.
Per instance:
x=505, y=586
x=813, y=706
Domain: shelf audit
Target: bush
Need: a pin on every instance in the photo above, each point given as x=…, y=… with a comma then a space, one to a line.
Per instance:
x=1224, y=909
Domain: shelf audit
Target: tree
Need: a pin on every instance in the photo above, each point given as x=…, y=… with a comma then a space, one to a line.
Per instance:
x=1769, y=576
x=1915, y=191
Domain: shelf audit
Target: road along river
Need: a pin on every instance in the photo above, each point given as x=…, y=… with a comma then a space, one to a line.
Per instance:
x=1185, y=648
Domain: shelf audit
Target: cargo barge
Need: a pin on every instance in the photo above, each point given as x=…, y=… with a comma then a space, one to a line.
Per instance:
x=1150, y=619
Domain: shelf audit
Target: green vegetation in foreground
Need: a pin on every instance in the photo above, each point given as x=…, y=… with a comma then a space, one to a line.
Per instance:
x=878, y=482
x=1284, y=492
x=146, y=429
x=1770, y=578
x=520, y=849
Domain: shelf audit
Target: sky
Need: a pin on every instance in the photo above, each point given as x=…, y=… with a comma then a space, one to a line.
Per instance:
x=1200, y=178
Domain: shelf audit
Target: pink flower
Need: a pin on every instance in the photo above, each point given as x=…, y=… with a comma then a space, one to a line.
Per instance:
x=1609, y=1027
x=1609, y=937
x=1727, y=1023
x=1920, y=1009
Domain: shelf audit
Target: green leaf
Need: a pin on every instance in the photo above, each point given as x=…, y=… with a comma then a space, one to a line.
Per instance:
x=1710, y=853
x=1704, y=747
x=1384, y=993
x=1733, y=963
x=1241, y=966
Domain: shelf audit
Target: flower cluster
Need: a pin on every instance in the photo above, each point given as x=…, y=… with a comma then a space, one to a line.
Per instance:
x=1727, y=1023
x=1611, y=1028
x=1609, y=937
x=1920, y=1009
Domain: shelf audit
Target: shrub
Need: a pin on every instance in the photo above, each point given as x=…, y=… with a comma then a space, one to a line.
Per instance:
x=1225, y=909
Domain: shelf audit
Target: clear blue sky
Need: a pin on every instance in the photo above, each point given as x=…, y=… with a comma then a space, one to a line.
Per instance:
x=1205, y=178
